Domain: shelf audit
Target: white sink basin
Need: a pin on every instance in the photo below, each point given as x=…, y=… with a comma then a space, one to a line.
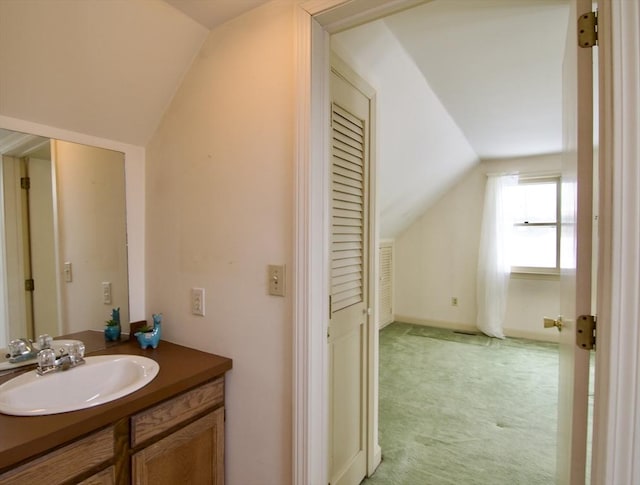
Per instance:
x=100, y=380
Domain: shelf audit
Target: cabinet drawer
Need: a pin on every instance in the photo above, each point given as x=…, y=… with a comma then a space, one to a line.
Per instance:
x=164, y=416
x=65, y=463
x=105, y=477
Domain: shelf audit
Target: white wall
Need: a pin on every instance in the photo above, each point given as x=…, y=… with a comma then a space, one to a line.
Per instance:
x=219, y=210
x=437, y=257
x=91, y=233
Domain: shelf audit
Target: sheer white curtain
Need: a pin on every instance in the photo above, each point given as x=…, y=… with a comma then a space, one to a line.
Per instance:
x=493, y=257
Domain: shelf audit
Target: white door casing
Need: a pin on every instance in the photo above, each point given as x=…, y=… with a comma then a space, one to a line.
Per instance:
x=616, y=448
x=16, y=311
x=43, y=248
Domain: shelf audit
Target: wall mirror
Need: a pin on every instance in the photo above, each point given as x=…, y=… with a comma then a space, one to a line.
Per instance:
x=63, y=241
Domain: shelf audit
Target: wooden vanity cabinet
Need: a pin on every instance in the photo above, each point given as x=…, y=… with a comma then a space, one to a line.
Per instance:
x=168, y=432
x=180, y=440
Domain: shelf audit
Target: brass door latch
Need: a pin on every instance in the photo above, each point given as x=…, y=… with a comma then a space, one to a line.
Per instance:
x=550, y=322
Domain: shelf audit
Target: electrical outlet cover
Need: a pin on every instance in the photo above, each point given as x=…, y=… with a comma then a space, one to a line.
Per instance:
x=197, y=301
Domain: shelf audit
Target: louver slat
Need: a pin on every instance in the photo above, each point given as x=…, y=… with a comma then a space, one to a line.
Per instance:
x=348, y=190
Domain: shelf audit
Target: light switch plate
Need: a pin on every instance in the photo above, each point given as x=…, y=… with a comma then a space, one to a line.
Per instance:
x=277, y=280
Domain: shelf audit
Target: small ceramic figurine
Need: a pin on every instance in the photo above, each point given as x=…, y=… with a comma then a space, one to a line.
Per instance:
x=112, y=326
x=150, y=337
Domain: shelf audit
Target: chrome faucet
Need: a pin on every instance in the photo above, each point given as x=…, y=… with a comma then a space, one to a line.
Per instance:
x=22, y=349
x=48, y=362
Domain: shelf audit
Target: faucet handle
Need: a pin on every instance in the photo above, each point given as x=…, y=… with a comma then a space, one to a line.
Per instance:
x=45, y=341
x=46, y=359
x=18, y=347
x=76, y=351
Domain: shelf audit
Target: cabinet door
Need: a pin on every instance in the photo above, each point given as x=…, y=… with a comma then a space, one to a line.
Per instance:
x=194, y=454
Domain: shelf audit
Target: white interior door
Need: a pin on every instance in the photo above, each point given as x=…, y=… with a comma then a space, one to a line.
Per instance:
x=576, y=250
x=347, y=339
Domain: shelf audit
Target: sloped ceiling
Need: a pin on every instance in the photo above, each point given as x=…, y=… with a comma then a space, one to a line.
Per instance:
x=103, y=68
x=16, y=144
x=107, y=68
x=495, y=68
x=457, y=80
x=211, y=13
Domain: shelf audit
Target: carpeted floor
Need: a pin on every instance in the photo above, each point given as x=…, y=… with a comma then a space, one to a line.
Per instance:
x=465, y=409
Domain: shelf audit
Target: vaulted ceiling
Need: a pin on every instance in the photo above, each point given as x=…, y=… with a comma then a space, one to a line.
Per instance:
x=102, y=68
x=107, y=69
x=496, y=65
x=458, y=81
x=211, y=13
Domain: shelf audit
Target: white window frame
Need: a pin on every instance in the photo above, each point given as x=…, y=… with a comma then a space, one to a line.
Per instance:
x=541, y=270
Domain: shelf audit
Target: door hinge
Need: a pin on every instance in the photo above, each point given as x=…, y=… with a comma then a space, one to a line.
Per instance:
x=29, y=284
x=25, y=183
x=588, y=29
x=586, y=332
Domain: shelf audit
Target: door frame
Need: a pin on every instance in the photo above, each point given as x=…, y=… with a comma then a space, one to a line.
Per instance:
x=315, y=21
x=615, y=448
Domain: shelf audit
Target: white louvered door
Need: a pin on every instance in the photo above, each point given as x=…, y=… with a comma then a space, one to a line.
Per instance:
x=349, y=272
x=385, y=288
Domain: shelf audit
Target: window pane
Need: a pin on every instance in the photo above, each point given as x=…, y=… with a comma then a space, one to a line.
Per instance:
x=534, y=246
x=535, y=202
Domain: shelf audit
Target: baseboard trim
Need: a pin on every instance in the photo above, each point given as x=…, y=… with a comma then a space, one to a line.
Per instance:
x=377, y=459
x=551, y=337
x=465, y=327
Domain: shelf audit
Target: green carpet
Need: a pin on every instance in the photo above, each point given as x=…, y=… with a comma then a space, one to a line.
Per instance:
x=465, y=409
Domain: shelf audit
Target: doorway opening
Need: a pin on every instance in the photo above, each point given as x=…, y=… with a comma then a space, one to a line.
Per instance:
x=435, y=228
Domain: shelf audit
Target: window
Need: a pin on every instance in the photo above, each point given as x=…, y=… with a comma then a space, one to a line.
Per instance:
x=535, y=244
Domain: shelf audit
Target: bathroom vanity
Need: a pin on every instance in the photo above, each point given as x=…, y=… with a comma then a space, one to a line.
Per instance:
x=170, y=431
